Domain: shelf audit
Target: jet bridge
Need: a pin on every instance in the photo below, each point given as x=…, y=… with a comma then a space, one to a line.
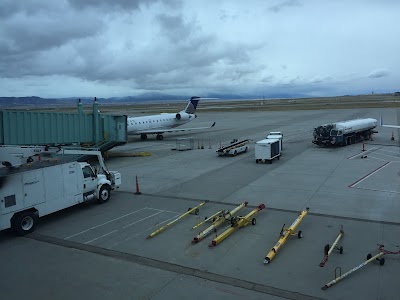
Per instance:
x=20, y=127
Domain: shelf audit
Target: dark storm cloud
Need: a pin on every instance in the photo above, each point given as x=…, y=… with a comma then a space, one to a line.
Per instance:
x=284, y=4
x=378, y=73
x=127, y=47
x=110, y=4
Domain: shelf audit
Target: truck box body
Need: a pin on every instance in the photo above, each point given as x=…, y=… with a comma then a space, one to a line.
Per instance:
x=267, y=150
x=276, y=135
x=46, y=190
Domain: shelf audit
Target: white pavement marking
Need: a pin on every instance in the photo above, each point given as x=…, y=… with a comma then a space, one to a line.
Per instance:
x=376, y=158
x=71, y=236
x=142, y=219
x=100, y=237
x=384, y=150
x=362, y=153
x=370, y=174
x=131, y=237
x=167, y=211
x=391, y=156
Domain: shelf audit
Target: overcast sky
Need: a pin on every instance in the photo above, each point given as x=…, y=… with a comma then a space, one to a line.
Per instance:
x=107, y=48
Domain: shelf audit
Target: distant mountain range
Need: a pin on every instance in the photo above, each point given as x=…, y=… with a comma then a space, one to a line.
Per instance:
x=14, y=102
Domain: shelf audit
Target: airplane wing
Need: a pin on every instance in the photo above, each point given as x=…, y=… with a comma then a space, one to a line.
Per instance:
x=390, y=126
x=161, y=130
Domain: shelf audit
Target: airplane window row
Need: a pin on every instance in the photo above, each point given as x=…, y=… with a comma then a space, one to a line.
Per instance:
x=150, y=121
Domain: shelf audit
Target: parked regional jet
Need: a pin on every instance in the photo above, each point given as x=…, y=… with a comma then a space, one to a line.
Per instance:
x=158, y=124
x=391, y=126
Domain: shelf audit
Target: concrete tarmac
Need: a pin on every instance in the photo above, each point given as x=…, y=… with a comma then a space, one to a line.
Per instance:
x=102, y=251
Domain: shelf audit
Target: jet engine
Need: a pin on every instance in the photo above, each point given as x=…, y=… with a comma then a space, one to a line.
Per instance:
x=182, y=116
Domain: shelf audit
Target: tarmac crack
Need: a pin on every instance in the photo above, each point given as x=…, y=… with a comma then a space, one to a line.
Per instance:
x=178, y=269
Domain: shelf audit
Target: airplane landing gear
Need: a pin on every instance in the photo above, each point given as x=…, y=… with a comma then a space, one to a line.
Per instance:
x=159, y=137
x=143, y=136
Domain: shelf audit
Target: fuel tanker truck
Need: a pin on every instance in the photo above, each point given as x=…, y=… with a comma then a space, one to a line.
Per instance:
x=345, y=132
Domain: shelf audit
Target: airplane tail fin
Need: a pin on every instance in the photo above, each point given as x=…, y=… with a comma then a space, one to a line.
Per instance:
x=191, y=106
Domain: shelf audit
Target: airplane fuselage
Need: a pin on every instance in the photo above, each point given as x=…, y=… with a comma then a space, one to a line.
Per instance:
x=157, y=123
x=162, y=123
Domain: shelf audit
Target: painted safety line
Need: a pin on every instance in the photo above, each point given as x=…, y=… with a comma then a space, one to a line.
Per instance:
x=377, y=158
x=391, y=156
x=71, y=236
x=377, y=190
x=397, y=152
x=362, y=153
x=370, y=174
x=157, y=213
x=100, y=237
x=167, y=211
x=131, y=237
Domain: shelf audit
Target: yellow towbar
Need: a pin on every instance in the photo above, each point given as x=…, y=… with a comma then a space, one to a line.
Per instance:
x=219, y=221
x=284, y=234
x=328, y=250
x=208, y=219
x=191, y=210
x=236, y=223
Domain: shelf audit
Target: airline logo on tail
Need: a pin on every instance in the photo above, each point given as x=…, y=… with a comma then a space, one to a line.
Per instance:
x=191, y=107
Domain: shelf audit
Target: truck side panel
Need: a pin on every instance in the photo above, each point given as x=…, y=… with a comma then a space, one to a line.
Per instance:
x=33, y=187
x=46, y=190
x=67, y=192
x=10, y=196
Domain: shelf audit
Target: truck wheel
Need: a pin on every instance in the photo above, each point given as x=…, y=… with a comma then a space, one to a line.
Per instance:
x=235, y=153
x=256, y=161
x=104, y=194
x=24, y=222
x=245, y=150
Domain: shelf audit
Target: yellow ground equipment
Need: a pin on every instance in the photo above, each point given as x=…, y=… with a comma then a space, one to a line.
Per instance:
x=194, y=210
x=284, y=235
x=218, y=221
x=328, y=250
x=237, y=222
x=213, y=218
x=370, y=258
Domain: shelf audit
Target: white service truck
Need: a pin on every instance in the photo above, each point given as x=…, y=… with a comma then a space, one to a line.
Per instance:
x=266, y=150
x=37, y=189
